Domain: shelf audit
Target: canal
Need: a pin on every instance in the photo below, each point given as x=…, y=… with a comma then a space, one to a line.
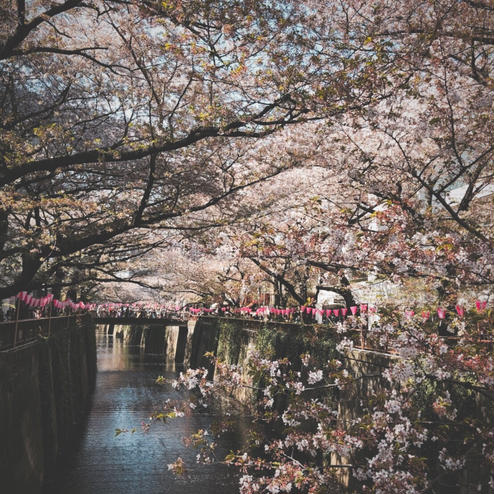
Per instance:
x=101, y=462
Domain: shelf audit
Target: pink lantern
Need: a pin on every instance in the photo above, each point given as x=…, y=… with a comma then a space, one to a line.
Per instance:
x=336, y=312
x=460, y=310
x=353, y=309
x=344, y=311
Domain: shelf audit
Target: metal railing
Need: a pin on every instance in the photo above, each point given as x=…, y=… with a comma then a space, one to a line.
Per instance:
x=22, y=331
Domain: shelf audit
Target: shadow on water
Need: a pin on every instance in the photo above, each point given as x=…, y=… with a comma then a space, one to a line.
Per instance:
x=124, y=397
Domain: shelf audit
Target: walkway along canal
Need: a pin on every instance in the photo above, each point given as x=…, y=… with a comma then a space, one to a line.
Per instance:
x=125, y=396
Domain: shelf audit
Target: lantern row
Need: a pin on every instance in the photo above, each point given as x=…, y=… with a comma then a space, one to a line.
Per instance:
x=263, y=311
x=42, y=302
x=340, y=312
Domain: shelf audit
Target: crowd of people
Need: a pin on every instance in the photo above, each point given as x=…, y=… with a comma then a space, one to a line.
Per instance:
x=11, y=311
x=304, y=314
x=134, y=312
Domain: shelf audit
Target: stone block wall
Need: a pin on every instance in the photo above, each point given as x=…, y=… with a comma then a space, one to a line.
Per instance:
x=45, y=387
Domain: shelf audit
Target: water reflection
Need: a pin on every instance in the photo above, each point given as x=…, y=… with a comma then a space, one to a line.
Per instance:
x=136, y=463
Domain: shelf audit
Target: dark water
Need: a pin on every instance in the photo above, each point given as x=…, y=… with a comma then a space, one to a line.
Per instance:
x=125, y=396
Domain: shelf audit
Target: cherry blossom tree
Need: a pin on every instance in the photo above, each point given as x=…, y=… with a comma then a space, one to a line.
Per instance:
x=406, y=176
x=304, y=139
x=425, y=428
x=121, y=117
x=405, y=197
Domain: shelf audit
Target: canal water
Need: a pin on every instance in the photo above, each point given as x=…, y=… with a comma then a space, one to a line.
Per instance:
x=125, y=396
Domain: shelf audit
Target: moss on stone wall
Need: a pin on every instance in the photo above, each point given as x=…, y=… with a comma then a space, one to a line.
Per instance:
x=266, y=341
x=231, y=339
x=291, y=341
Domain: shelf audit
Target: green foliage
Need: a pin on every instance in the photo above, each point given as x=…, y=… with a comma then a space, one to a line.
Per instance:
x=266, y=341
x=123, y=431
x=230, y=341
x=321, y=342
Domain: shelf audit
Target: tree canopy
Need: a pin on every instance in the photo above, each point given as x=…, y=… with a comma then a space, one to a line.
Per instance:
x=213, y=148
x=122, y=117
x=118, y=116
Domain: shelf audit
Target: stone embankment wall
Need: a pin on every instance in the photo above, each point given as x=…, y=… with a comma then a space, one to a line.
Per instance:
x=157, y=338
x=45, y=388
x=232, y=339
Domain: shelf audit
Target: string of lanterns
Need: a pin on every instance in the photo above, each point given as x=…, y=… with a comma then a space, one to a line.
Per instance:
x=339, y=312
x=45, y=301
x=263, y=311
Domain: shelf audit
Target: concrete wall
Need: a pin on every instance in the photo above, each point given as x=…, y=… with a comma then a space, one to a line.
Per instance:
x=366, y=368
x=175, y=344
x=156, y=338
x=45, y=387
x=231, y=340
x=153, y=339
x=131, y=335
